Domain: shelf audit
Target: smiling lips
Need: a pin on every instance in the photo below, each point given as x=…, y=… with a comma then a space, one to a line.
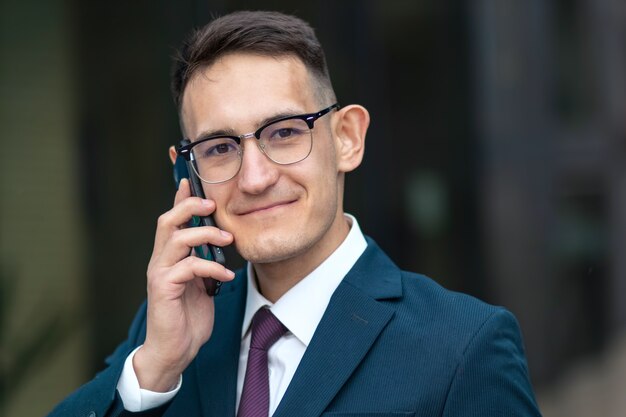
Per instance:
x=265, y=208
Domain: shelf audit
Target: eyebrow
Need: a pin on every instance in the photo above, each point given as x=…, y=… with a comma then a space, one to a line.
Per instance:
x=231, y=132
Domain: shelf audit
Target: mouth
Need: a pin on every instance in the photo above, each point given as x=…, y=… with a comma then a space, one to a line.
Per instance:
x=266, y=208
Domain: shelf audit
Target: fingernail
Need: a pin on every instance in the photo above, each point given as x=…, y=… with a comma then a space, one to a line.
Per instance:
x=230, y=273
x=206, y=202
x=225, y=233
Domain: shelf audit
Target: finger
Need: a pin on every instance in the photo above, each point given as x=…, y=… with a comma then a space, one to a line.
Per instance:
x=184, y=191
x=193, y=267
x=181, y=241
x=178, y=217
x=181, y=213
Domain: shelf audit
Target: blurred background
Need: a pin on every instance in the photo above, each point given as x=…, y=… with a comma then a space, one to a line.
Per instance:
x=495, y=163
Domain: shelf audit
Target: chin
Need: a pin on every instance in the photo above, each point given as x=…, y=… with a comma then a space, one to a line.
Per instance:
x=270, y=249
x=282, y=239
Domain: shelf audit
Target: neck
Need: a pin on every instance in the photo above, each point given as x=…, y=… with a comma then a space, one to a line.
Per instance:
x=276, y=278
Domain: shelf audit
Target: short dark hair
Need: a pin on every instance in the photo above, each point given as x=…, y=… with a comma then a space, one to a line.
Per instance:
x=259, y=32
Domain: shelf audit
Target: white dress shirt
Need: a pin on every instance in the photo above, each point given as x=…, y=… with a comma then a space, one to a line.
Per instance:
x=300, y=309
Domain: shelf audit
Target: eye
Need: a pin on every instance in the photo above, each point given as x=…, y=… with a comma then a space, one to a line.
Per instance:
x=284, y=133
x=216, y=148
x=289, y=129
x=221, y=148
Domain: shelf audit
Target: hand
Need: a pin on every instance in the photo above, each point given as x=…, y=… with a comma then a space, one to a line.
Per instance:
x=180, y=313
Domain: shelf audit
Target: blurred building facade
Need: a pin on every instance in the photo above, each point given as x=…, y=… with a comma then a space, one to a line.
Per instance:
x=551, y=100
x=495, y=163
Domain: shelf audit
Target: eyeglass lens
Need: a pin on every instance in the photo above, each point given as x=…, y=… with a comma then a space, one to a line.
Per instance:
x=284, y=142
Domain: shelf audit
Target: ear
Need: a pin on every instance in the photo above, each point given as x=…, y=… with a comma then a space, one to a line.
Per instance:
x=349, y=131
x=172, y=153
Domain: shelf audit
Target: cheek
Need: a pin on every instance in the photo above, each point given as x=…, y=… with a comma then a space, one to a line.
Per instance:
x=322, y=162
x=326, y=172
x=321, y=188
x=219, y=194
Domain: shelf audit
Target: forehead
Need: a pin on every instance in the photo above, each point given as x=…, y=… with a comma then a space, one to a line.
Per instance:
x=239, y=90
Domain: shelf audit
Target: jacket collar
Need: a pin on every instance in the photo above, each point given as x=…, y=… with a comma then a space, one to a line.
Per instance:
x=349, y=327
x=375, y=274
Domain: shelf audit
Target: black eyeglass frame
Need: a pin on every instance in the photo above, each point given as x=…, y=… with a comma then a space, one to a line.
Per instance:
x=309, y=119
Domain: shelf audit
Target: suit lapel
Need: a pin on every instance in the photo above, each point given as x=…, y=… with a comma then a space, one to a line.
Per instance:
x=352, y=322
x=218, y=360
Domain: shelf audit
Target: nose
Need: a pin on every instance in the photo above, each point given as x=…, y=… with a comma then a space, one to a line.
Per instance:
x=257, y=172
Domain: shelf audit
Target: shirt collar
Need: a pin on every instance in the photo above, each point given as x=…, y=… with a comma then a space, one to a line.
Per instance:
x=301, y=308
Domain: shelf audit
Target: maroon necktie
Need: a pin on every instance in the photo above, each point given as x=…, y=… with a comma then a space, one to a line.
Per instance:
x=255, y=397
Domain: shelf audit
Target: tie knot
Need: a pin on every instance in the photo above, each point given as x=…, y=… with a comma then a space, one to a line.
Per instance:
x=266, y=329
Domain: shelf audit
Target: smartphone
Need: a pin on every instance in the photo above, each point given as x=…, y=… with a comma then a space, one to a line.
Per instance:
x=184, y=169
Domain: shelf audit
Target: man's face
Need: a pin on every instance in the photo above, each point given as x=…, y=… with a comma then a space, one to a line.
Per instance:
x=275, y=212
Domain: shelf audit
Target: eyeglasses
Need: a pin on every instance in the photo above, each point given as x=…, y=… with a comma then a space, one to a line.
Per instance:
x=285, y=141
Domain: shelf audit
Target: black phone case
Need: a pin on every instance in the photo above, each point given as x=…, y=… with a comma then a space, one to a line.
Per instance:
x=183, y=169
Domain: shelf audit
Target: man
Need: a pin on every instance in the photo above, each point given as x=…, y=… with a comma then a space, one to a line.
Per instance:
x=355, y=335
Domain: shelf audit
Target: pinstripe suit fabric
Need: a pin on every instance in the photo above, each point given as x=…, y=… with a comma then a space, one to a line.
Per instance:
x=391, y=343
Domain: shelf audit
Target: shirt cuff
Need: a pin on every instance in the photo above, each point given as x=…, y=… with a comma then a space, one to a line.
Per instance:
x=135, y=398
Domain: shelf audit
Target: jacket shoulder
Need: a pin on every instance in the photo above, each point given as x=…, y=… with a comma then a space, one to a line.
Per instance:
x=444, y=314
x=99, y=395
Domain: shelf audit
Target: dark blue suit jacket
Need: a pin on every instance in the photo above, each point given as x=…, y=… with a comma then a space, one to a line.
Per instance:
x=391, y=343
